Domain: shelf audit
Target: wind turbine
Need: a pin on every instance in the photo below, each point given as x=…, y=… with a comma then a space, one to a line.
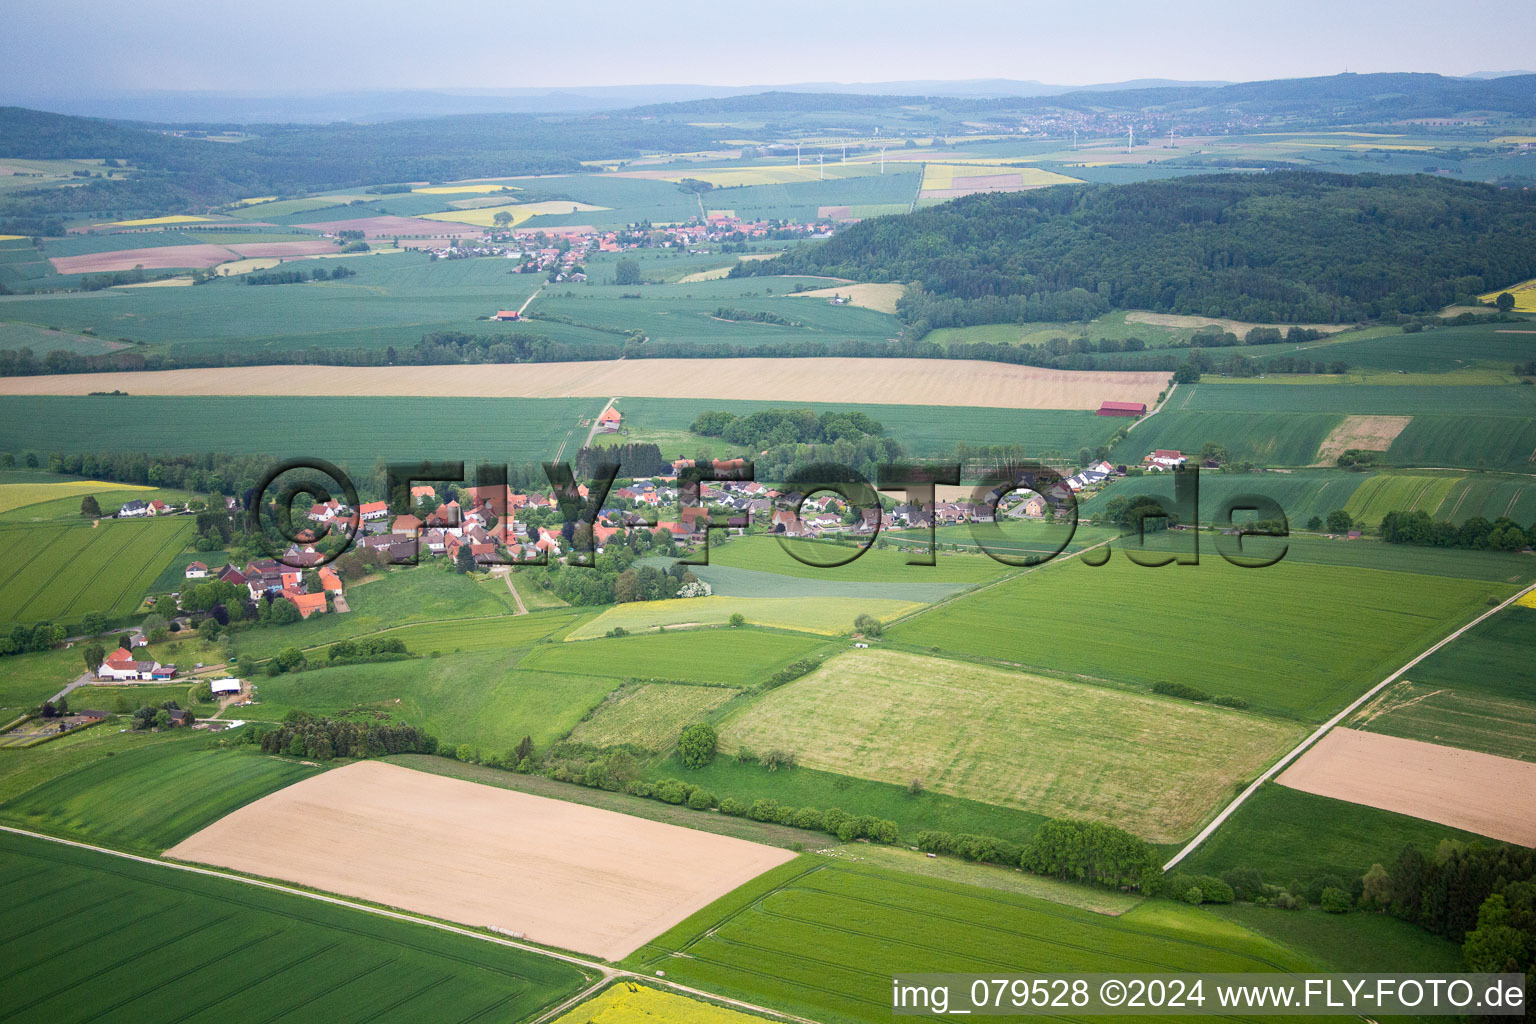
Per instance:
x=882, y=159
x=1130, y=140
x=1074, y=140
x=797, y=154
x=820, y=167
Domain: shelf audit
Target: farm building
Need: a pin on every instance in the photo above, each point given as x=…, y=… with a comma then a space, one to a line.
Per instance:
x=196, y=571
x=121, y=665
x=609, y=421
x=507, y=314
x=223, y=686
x=1165, y=458
x=1122, y=409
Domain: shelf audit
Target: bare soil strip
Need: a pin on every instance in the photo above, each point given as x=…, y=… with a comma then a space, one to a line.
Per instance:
x=162, y=257
x=562, y=874
x=950, y=382
x=1492, y=796
x=1366, y=433
x=1237, y=327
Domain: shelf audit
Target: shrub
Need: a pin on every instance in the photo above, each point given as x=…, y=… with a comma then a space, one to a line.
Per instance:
x=833, y=819
x=930, y=841
x=1192, y=895
x=1335, y=900
x=1181, y=690
x=696, y=745
x=1230, y=702
x=701, y=801
x=763, y=810
x=1246, y=883
x=809, y=818
x=641, y=788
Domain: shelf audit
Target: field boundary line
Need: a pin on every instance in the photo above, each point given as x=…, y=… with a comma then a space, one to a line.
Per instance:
x=1159, y=407
x=607, y=973
x=1327, y=726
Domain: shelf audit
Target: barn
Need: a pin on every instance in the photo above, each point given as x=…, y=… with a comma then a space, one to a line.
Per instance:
x=1122, y=409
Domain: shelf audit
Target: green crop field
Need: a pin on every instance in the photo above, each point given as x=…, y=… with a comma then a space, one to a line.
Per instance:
x=1214, y=626
x=1274, y=439
x=26, y=680
x=1455, y=563
x=1387, y=492
x=734, y=657
x=148, y=796
x=475, y=698
x=728, y=581
x=1287, y=835
x=41, y=340
x=398, y=597
x=1275, y=395
x=1478, y=693
x=15, y=496
x=826, y=615
x=875, y=565
x=920, y=431
x=358, y=431
x=1155, y=766
x=66, y=510
x=490, y=634
x=1300, y=495
x=1473, y=441
x=1348, y=942
x=649, y=716
x=823, y=939
x=115, y=938
x=1440, y=351
x=64, y=573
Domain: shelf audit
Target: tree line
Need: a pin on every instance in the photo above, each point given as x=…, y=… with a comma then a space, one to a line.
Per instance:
x=1477, y=533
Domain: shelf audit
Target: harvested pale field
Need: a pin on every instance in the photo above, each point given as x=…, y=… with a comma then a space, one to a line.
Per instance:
x=148, y=221
x=1156, y=766
x=160, y=257
x=389, y=226
x=953, y=382
x=306, y=247
x=705, y=275
x=164, y=282
x=1237, y=327
x=949, y=181
x=879, y=297
x=1365, y=433
x=562, y=874
x=485, y=216
x=246, y=266
x=1492, y=796
x=453, y=190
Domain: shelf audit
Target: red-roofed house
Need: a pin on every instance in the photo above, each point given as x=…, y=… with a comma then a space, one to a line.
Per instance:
x=609, y=421
x=507, y=314
x=405, y=524
x=1165, y=458
x=307, y=604
x=196, y=571
x=330, y=581
x=370, y=510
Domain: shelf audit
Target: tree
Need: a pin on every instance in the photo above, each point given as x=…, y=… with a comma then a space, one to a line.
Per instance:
x=94, y=623
x=1505, y=302
x=867, y=624
x=626, y=271
x=1315, y=523
x=1335, y=900
x=1340, y=521
x=94, y=656
x=464, y=560
x=738, y=619
x=89, y=507
x=1376, y=889
x=696, y=745
x=1187, y=373
x=524, y=750
x=502, y=218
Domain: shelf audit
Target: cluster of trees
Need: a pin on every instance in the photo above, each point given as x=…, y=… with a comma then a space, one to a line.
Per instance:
x=1184, y=691
x=1142, y=511
x=1090, y=852
x=613, y=578
x=209, y=473
x=1272, y=248
x=306, y=735
x=769, y=427
x=40, y=636
x=794, y=670
x=368, y=648
x=158, y=716
x=1477, y=533
x=755, y=316
x=299, y=276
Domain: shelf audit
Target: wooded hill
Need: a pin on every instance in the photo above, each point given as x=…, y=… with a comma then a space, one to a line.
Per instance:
x=1285, y=247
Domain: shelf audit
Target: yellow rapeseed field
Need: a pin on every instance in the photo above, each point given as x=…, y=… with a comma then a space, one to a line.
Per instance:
x=634, y=1004
x=942, y=176
x=256, y=199
x=1524, y=293
x=453, y=190
x=1528, y=601
x=10, y=238
x=19, y=495
x=146, y=221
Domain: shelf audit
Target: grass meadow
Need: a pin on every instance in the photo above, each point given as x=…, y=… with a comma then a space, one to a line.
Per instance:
x=829, y=616
x=823, y=939
x=735, y=657
x=115, y=938
x=650, y=715
x=1298, y=639
x=1155, y=766
x=61, y=574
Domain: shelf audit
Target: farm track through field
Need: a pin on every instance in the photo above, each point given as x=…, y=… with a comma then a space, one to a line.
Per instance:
x=82, y=549
x=605, y=971
x=1327, y=726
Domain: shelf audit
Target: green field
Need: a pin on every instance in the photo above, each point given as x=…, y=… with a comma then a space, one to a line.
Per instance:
x=650, y=716
x=26, y=680
x=14, y=496
x=1348, y=942
x=734, y=657
x=1155, y=766
x=825, y=615
x=920, y=432
x=480, y=699
x=143, y=796
x=41, y=340
x=61, y=574
x=1478, y=693
x=491, y=634
x=398, y=597
x=1269, y=439
x=1297, y=638
x=1287, y=835
x=823, y=939
x=875, y=565
x=65, y=510
x=1300, y=495
x=1384, y=493
x=359, y=431
x=99, y=938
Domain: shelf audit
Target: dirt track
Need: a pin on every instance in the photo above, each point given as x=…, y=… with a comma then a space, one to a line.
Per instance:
x=562, y=874
x=1492, y=796
x=950, y=382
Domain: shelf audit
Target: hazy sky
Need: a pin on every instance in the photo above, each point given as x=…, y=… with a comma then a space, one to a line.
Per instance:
x=76, y=47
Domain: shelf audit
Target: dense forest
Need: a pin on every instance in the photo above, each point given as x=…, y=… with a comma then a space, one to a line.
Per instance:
x=1281, y=247
x=176, y=174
